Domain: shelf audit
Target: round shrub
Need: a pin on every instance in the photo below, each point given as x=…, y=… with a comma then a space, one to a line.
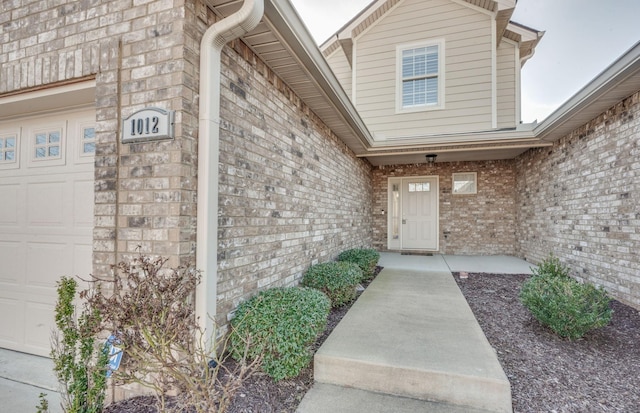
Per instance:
x=279, y=325
x=366, y=258
x=338, y=280
x=566, y=306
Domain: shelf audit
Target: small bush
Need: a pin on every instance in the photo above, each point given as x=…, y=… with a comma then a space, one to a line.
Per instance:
x=149, y=309
x=551, y=266
x=280, y=325
x=80, y=362
x=569, y=308
x=366, y=258
x=338, y=280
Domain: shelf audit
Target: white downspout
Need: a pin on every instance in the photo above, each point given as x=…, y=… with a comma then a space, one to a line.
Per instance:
x=214, y=39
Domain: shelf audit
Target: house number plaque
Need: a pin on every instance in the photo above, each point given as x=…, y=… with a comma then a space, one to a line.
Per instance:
x=148, y=124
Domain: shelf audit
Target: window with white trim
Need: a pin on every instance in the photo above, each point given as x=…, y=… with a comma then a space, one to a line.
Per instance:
x=48, y=145
x=8, y=145
x=420, y=79
x=88, y=141
x=465, y=183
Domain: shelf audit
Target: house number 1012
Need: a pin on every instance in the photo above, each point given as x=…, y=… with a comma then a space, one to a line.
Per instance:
x=148, y=124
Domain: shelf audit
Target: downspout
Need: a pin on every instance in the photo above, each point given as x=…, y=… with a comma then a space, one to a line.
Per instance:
x=214, y=39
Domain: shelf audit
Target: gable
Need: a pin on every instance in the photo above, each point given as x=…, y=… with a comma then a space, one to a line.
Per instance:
x=467, y=39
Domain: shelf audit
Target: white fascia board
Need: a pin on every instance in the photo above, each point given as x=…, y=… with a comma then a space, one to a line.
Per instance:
x=476, y=8
x=519, y=135
x=527, y=34
x=294, y=33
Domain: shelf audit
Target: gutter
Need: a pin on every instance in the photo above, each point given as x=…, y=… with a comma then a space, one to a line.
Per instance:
x=213, y=41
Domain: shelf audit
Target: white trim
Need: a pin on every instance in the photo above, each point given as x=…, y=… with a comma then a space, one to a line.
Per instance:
x=518, y=66
x=80, y=156
x=11, y=133
x=30, y=144
x=400, y=180
x=476, y=8
x=394, y=244
x=372, y=25
x=460, y=174
x=354, y=67
x=518, y=69
x=43, y=101
x=441, y=76
x=494, y=75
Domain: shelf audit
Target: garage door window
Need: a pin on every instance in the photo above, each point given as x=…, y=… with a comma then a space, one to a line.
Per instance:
x=8, y=149
x=48, y=145
x=88, y=141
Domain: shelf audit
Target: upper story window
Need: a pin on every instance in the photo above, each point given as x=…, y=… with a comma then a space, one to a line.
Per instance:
x=420, y=78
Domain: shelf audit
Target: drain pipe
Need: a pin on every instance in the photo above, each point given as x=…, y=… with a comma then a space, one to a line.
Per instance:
x=214, y=39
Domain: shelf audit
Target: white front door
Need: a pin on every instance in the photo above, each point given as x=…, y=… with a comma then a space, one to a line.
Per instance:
x=413, y=220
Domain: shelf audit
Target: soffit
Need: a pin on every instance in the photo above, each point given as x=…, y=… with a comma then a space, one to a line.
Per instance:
x=282, y=41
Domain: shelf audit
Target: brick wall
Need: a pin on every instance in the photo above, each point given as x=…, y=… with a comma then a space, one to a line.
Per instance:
x=291, y=193
x=140, y=53
x=580, y=200
x=480, y=224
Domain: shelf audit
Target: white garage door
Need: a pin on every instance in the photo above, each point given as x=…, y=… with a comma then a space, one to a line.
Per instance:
x=46, y=220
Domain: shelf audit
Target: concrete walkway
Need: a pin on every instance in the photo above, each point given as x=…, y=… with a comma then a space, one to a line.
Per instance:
x=22, y=378
x=411, y=343
x=412, y=315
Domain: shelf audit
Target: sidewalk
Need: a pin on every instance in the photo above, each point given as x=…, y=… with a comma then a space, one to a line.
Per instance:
x=22, y=378
x=409, y=285
x=411, y=343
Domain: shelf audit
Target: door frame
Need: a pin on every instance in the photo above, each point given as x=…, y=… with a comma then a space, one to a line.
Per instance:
x=394, y=215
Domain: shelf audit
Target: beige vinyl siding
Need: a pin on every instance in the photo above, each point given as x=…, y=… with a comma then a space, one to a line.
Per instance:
x=506, y=73
x=342, y=69
x=467, y=68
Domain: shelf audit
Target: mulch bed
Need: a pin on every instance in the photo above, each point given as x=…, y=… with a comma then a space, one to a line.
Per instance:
x=598, y=373
x=259, y=393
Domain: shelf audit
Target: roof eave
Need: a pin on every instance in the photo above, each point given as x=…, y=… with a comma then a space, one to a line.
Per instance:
x=618, y=81
x=282, y=15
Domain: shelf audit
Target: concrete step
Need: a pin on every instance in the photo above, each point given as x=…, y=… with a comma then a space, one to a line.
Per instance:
x=412, y=334
x=326, y=398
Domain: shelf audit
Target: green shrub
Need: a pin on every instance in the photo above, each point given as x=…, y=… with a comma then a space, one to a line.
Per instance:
x=563, y=304
x=551, y=266
x=279, y=325
x=366, y=258
x=80, y=362
x=338, y=280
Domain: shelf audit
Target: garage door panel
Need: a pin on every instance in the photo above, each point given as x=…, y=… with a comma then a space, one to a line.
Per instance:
x=39, y=317
x=45, y=202
x=83, y=197
x=9, y=204
x=12, y=257
x=10, y=326
x=82, y=260
x=47, y=262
